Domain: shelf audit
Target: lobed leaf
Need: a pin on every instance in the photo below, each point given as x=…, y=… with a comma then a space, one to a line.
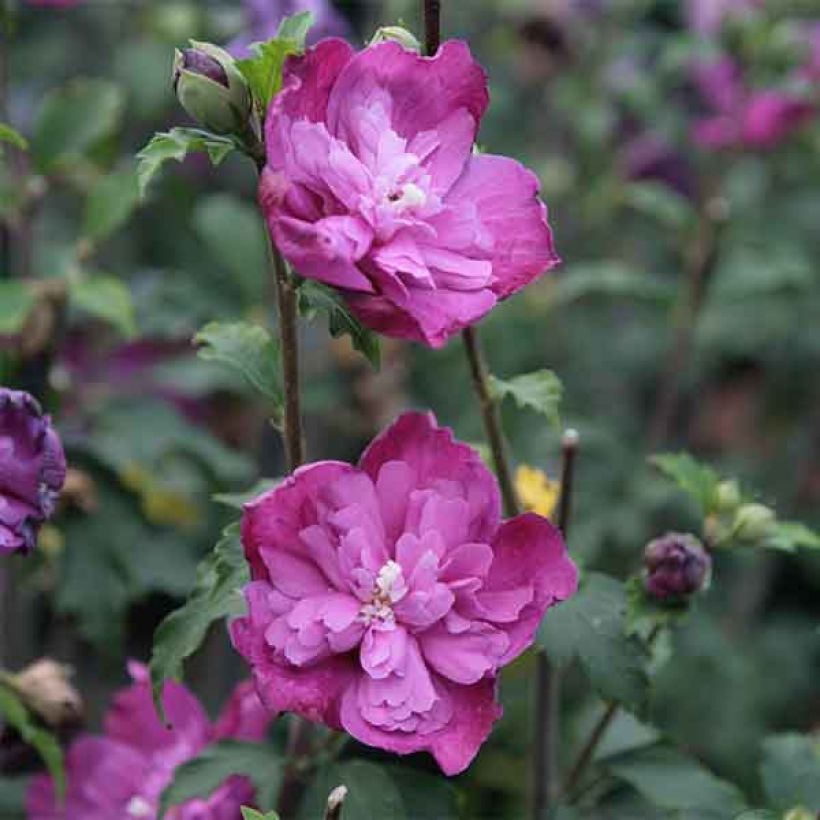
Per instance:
x=12, y=136
x=16, y=300
x=540, y=391
x=790, y=771
x=110, y=203
x=697, y=480
x=106, y=298
x=220, y=576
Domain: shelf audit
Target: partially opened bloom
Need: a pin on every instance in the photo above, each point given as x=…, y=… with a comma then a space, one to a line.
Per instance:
x=386, y=597
x=372, y=186
x=32, y=470
x=122, y=773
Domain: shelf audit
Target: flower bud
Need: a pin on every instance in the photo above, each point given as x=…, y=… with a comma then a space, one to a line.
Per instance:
x=728, y=496
x=675, y=566
x=45, y=687
x=212, y=89
x=754, y=522
x=397, y=34
x=32, y=470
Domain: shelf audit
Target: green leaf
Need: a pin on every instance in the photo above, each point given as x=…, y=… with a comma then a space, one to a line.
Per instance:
x=74, y=119
x=253, y=814
x=16, y=300
x=315, y=297
x=176, y=144
x=371, y=792
x=611, y=280
x=695, y=479
x=425, y=795
x=10, y=135
x=660, y=202
x=790, y=536
x=248, y=348
x=540, y=391
x=45, y=743
x=264, y=71
x=106, y=298
x=236, y=239
x=674, y=782
x=238, y=500
x=110, y=203
x=592, y=627
x=215, y=595
x=202, y=775
x=790, y=771
x=13, y=797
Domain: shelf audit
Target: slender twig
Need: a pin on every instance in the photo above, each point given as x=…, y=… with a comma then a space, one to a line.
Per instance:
x=548, y=677
x=432, y=26
x=335, y=802
x=700, y=262
x=492, y=425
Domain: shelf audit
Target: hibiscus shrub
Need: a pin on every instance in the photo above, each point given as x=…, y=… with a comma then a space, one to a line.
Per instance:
x=492, y=615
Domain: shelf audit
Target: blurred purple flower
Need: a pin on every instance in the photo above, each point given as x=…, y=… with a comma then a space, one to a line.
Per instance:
x=707, y=16
x=263, y=18
x=742, y=117
x=675, y=566
x=32, y=470
x=648, y=157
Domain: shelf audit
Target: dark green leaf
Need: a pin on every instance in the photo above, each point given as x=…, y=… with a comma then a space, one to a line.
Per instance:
x=16, y=300
x=791, y=771
x=238, y=500
x=371, y=792
x=15, y=138
x=110, y=203
x=74, y=119
x=106, y=298
x=672, y=781
x=16, y=715
x=264, y=71
x=248, y=348
x=315, y=297
x=591, y=626
x=215, y=595
x=425, y=795
x=695, y=479
x=202, y=775
x=540, y=391
x=176, y=144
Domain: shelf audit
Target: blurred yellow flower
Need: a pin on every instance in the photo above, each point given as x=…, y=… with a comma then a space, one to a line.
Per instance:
x=537, y=493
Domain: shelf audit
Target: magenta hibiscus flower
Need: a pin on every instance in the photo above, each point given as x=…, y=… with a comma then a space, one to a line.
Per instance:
x=32, y=470
x=122, y=774
x=386, y=597
x=372, y=186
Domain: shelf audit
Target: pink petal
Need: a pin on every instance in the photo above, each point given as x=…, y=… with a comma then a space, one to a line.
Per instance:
x=529, y=555
x=383, y=650
x=505, y=196
x=244, y=717
x=423, y=91
x=434, y=457
x=467, y=656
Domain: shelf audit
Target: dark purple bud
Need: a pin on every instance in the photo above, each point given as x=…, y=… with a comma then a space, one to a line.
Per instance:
x=675, y=566
x=32, y=470
x=198, y=62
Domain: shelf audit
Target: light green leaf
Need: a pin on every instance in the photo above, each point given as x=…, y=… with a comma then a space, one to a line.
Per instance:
x=202, y=775
x=540, y=391
x=215, y=595
x=592, y=627
x=371, y=792
x=16, y=300
x=264, y=71
x=248, y=348
x=10, y=135
x=238, y=500
x=660, y=202
x=106, y=298
x=74, y=119
x=15, y=714
x=176, y=144
x=674, y=782
x=790, y=536
x=110, y=203
x=315, y=297
x=253, y=814
x=791, y=771
x=695, y=479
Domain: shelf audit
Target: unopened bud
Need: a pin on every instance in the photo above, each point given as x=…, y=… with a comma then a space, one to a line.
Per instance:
x=675, y=567
x=397, y=34
x=754, y=522
x=728, y=496
x=45, y=687
x=212, y=89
